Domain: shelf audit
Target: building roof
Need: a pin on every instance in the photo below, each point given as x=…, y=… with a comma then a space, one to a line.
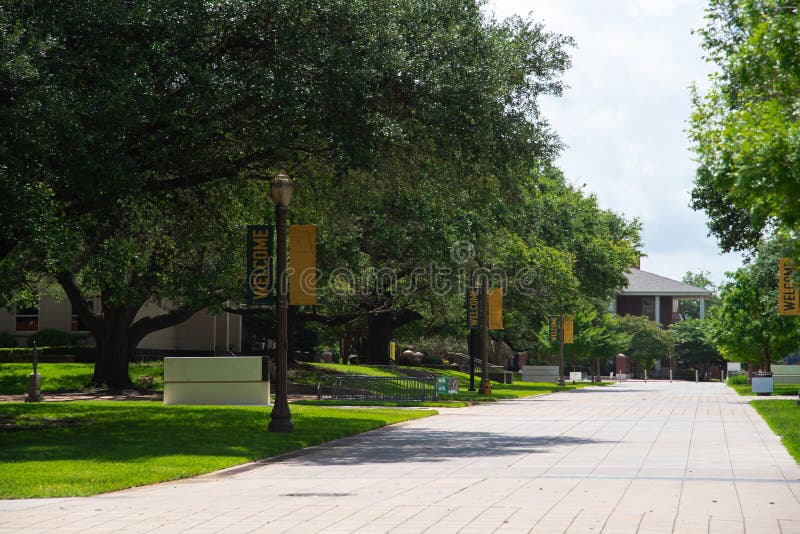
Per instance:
x=642, y=283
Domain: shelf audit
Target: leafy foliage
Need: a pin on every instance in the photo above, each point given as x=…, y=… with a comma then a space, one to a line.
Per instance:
x=144, y=134
x=693, y=347
x=746, y=131
x=690, y=309
x=746, y=327
x=648, y=341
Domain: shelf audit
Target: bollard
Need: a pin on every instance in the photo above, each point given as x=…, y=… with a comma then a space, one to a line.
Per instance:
x=696, y=377
x=35, y=379
x=670, y=376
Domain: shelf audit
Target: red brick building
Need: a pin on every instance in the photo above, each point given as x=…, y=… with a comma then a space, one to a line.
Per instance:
x=656, y=297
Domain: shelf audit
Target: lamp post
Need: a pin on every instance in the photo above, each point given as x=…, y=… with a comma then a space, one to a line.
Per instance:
x=281, y=189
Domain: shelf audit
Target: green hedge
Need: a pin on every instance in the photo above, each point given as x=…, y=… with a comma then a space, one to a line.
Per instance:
x=7, y=340
x=83, y=354
x=52, y=337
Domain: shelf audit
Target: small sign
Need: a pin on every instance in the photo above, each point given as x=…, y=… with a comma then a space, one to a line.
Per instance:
x=473, y=307
x=568, y=330
x=446, y=385
x=259, y=265
x=788, y=295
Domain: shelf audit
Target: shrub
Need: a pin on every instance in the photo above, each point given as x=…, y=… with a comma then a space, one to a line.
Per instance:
x=737, y=379
x=50, y=337
x=7, y=340
x=409, y=360
x=431, y=360
x=85, y=354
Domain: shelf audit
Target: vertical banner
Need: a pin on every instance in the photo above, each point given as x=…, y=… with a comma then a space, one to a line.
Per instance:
x=568, y=330
x=495, y=308
x=472, y=307
x=788, y=295
x=553, y=328
x=392, y=350
x=303, y=259
x=259, y=265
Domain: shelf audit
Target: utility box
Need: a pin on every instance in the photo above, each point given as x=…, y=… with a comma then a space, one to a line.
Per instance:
x=229, y=380
x=762, y=383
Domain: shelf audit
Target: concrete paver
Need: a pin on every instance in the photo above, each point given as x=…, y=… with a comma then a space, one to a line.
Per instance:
x=633, y=457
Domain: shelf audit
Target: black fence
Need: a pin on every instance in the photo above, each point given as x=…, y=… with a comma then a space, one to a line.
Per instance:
x=359, y=387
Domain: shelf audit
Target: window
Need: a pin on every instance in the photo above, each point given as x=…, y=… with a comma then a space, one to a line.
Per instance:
x=76, y=324
x=26, y=319
x=649, y=307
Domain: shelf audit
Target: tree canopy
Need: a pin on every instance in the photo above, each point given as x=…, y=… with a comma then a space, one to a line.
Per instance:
x=746, y=326
x=142, y=135
x=746, y=129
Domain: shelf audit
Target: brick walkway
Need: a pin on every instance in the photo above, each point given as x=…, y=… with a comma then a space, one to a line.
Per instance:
x=634, y=457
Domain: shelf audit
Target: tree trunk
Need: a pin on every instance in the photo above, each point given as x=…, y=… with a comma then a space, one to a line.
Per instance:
x=113, y=356
x=115, y=332
x=378, y=337
x=380, y=328
x=115, y=347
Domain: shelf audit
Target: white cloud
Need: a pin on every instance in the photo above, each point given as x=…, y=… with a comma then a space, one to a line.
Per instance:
x=623, y=118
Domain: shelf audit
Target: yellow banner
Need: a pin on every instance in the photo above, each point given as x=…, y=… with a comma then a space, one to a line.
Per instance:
x=569, y=336
x=303, y=262
x=554, y=329
x=495, y=308
x=788, y=295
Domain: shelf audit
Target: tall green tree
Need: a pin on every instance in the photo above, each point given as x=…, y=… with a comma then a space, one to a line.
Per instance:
x=690, y=309
x=746, y=327
x=563, y=249
x=746, y=129
x=143, y=134
x=694, y=347
x=648, y=342
x=598, y=338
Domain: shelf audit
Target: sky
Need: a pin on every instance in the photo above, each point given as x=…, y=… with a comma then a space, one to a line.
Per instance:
x=623, y=118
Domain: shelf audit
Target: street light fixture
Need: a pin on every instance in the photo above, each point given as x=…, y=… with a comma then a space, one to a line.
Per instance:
x=281, y=189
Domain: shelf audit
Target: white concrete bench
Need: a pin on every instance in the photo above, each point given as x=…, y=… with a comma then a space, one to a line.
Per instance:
x=786, y=374
x=540, y=373
x=231, y=380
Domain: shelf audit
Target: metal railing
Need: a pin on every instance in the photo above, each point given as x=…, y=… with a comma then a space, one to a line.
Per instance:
x=360, y=387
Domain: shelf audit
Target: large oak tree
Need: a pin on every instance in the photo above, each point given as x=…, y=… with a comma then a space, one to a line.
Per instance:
x=141, y=134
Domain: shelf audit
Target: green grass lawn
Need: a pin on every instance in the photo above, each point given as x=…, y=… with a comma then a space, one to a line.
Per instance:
x=783, y=417
x=365, y=370
x=84, y=448
x=58, y=377
x=777, y=389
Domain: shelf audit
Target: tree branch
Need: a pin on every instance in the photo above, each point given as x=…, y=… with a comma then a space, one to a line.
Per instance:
x=79, y=307
x=148, y=325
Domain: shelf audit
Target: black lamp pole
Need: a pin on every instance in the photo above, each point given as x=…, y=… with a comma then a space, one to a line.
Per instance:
x=281, y=188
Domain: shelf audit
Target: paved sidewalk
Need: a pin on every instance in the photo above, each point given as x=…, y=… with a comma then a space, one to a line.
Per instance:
x=634, y=457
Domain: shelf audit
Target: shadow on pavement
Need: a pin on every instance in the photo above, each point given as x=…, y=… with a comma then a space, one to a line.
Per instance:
x=406, y=445
x=608, y=390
